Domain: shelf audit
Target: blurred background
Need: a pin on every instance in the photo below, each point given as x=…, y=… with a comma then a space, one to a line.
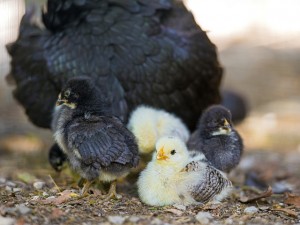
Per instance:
x=259, y=48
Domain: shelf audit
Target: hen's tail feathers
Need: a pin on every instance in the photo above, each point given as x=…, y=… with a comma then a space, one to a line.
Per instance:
x=61, y=13
x=237, y=104
x=33, y=90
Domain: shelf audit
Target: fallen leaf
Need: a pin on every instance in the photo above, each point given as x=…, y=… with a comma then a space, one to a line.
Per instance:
x=289, y=212
x=174, y=211
x=267, y=193
x=293, y=200
x=64, y=196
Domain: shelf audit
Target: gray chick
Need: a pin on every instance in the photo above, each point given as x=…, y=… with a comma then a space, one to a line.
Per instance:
x=96, y=144
x=216, y=138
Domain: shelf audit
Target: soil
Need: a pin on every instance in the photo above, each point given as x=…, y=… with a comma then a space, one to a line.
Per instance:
x=32, y=193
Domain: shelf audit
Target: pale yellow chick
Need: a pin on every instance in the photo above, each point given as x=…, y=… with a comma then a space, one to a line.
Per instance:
x=149, y=124
x=175, y=176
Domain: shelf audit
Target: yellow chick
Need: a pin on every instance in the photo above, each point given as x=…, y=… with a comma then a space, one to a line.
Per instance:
x=176, y=176
x=149, y=124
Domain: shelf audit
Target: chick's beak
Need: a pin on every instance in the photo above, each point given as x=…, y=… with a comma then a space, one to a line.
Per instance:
x=60, y=101
x=226, y=123
x=227, y=126
x=161, y=155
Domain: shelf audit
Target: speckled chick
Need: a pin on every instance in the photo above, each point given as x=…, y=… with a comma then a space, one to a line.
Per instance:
x=217, y=139
x=96, y=144
x=174, y=176
x=149, y=124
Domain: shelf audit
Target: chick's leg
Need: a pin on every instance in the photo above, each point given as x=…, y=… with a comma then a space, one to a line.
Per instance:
x=86, y=187
x=112, y=193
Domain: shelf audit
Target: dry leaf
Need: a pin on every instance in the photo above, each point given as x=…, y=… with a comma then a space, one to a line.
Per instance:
x=293, y=200
x=64, y=196
x=174, y=211
x=289, y=212
x=265, y=194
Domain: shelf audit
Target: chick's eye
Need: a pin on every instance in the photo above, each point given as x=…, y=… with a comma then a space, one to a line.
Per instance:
x=173, y=152
x=67, y=93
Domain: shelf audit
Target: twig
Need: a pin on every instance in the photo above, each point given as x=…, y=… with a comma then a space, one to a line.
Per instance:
x=56, y=186
x=264, y=194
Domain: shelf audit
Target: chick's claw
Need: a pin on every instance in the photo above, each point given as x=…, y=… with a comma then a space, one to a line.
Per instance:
x=112, y=193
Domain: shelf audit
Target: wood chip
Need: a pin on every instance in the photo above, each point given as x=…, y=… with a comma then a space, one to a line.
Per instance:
x=267, y=193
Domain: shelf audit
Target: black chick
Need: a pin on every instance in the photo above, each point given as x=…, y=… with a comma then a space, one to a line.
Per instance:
x=148, y=52
x=217, y=139
x=96, y=144
x=56, y=157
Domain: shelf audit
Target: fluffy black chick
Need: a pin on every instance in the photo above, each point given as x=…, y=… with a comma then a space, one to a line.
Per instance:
x=96, y=143
x=217, y=139
x=56, y=157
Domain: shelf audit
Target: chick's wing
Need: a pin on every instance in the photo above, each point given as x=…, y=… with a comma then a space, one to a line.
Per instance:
x=103, y=140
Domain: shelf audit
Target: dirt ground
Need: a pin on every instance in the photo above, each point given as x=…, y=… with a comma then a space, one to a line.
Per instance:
x=32, y=193
x=266, y=182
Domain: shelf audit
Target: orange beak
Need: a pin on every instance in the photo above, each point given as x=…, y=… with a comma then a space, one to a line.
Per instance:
x=161, y=155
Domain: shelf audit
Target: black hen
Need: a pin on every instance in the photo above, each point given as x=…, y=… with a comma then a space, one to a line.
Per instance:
x=148, y=52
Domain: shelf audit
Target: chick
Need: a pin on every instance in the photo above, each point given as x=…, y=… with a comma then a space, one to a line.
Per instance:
x=173, y=176
x=96, y=143
x=216, y=138
x=149, y=124
x=56, y=157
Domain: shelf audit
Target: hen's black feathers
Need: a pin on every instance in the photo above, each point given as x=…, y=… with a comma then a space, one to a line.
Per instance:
x=148, y=52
